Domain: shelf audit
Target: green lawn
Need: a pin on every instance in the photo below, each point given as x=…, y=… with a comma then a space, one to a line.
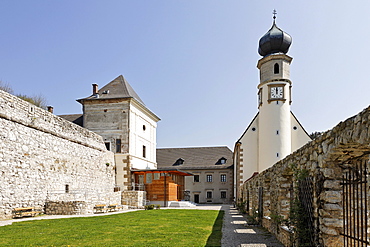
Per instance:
x=170, y=227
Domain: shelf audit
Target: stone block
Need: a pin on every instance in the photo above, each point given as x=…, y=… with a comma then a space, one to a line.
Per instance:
x=330, y=222
x=332, y=207
x=332, y=196
x=332, y=184
x=328, y=230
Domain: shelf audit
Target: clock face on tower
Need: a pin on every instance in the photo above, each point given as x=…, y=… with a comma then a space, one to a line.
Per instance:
x=276, y=92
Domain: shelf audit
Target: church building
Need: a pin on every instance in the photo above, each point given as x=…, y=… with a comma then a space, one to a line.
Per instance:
x=274, y=132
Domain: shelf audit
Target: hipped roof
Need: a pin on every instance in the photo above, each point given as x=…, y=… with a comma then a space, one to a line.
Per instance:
x=119, y=88
x=195, y=158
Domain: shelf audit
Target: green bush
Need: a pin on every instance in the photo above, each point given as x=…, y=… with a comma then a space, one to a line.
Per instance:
x=149, y=207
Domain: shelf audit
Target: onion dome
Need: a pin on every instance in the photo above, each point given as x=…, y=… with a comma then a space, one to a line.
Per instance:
x=274, y=41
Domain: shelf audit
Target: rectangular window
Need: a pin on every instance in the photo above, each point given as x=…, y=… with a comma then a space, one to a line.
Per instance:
x=118, y=145
x=107, y=145
x=141, y=179
x=223, y=177
x=196, y=178
x=209, y=194
x=148, y=178
x=144, y=151
x=157, y=176
x=209, y=178
x=223, y=194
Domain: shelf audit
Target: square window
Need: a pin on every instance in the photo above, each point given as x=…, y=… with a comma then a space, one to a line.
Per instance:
x=156, y=176
x=223, y=177
x=196, y=178
x=209, y=178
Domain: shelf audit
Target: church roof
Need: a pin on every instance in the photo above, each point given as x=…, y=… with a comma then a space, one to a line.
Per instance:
x=119, y=88
x=274, y=41
x=195, y=158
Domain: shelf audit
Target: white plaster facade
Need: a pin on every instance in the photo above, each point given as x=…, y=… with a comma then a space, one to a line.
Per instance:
x=275, y=132
x=142, y=134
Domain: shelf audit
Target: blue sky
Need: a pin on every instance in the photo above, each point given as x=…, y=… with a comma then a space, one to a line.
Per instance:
x=192, y=62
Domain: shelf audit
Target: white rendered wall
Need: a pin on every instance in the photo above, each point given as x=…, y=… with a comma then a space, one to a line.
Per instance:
x=299, y=135
x=249, y=145
x=139, y=137
x=274, y=116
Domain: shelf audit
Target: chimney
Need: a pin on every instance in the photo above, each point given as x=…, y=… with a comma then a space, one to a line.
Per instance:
x=50, y=109
x=95, y=88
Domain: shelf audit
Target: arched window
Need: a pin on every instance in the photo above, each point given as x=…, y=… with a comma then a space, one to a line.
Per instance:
x=276, y=68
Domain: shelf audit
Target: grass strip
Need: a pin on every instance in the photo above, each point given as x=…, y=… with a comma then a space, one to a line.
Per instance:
x=168, y=227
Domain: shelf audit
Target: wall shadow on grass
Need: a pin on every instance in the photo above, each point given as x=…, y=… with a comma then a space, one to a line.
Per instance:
x=215, y=238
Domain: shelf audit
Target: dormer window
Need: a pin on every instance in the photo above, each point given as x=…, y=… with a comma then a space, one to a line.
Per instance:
x=276, y=68
x=221, y=161
x=179, y=162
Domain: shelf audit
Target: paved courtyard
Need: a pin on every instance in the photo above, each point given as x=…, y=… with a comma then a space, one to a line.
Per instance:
x=236, y=234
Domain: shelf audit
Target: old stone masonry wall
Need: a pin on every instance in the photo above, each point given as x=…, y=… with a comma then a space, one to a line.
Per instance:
x=319, y=194
x=46, y=158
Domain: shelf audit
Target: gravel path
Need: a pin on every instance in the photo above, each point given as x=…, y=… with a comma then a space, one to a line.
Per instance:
x=236, y=234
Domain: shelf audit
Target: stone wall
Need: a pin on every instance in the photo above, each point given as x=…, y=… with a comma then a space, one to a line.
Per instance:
x=65, y=208
x=135, y=199
x=44, y=157
x=321, y=163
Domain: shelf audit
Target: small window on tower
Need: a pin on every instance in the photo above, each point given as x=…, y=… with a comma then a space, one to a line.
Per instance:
x=276, y=68
x=118, y=145
x=144, y=151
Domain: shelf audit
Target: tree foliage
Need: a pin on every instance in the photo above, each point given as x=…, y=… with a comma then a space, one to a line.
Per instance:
x=38, y=100
x=315, y=134
x=6, y=87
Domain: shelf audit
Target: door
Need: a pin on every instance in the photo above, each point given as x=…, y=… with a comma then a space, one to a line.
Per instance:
x=196, y=198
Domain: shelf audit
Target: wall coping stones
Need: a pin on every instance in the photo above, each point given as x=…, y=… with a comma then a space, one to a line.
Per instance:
x=17, y=110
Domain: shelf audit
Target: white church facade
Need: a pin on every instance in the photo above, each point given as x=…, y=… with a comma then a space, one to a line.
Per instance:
x=274, y=132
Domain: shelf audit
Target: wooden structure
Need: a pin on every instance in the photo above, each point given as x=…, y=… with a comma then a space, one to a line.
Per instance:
x=161, y=185
x=28, y=211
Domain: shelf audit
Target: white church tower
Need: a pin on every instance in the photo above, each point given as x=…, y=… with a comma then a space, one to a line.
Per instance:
x=275, y=132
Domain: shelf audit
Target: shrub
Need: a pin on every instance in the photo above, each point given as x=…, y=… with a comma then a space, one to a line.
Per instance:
x=149, y=207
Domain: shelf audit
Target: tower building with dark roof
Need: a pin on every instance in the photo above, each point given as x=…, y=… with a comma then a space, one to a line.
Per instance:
x=128, y=127
x=274, y=132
